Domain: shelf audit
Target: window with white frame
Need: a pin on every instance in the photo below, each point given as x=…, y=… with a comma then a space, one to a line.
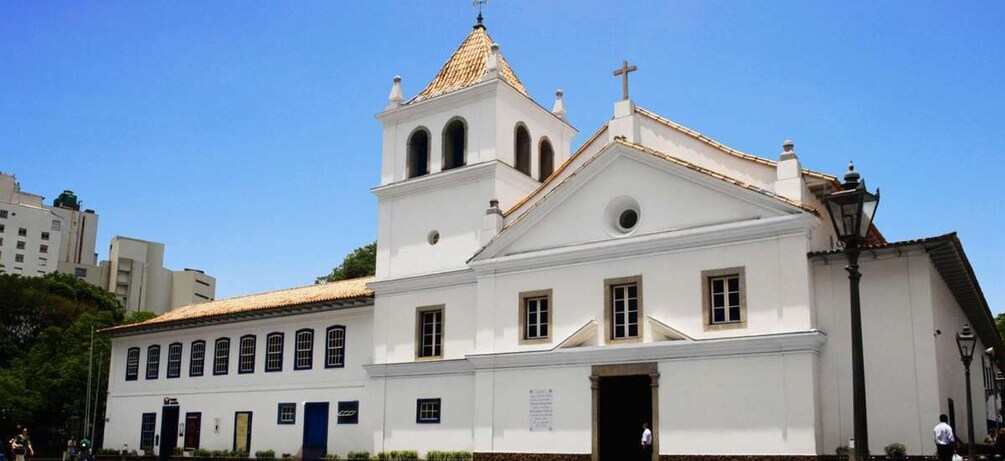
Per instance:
x=303, y=358
x=22, y=232
x=335, y=347
x=274, y=352
x=246, y=355
x=132, y=363
x=429, y=334
x=3, y=215
x=55, y=224
x=623, y=309
x=287, y=413
x=153, y=361
x=197, y=358
x=221, y=360
x=148, y=427
x=174, y=360
x=45, y=236
x=427, y=411
x=20, y=245
x=43, y=248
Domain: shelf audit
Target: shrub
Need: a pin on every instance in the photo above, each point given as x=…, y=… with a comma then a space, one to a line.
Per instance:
x=357, y=455
x=448, y=456
x=176, y=451
x=200, y=453
x=266, y=454
x=895, y=450
x=332, y=457
x=287, y=456
x=841, y=451
x=238, y=454
x=107, y=452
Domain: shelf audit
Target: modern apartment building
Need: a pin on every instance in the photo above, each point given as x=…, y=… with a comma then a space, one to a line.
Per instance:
x=36, y=239
x=135, y=273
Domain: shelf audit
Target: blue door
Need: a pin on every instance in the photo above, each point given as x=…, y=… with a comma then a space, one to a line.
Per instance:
x=315, y=430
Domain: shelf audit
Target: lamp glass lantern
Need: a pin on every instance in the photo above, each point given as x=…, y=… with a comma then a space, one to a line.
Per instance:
x=965, y=341
x=852, y=208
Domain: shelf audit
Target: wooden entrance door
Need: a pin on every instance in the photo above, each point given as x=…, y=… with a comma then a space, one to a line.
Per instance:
x=242, y=431
x=193, y=427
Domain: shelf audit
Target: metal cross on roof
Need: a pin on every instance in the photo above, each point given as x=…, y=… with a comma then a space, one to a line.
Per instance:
x=623, y=72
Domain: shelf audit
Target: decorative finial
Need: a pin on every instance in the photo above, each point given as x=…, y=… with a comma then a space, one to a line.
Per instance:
x=851, y=178
x=623, y=72
x=479, y=4
x=492, y=63
x=788, y=150
x=559, y=108
x=395, y=97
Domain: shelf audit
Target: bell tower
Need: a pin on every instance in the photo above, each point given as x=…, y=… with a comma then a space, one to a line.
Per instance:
x=470, y=136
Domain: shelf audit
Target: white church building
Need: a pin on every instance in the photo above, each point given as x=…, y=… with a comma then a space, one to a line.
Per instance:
x=531, y=302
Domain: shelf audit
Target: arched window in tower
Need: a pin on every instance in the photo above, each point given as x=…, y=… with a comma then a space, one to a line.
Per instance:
x=522, y=149
x=547, y=166
x=454, y=144
x=418, y=153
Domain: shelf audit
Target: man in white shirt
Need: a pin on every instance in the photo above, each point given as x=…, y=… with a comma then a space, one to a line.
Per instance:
x=647, y=441
x=944, y=439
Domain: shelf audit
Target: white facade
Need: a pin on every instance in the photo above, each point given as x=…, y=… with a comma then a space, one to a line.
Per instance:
x=464, y=249
x=36, y=239
x=135, y=274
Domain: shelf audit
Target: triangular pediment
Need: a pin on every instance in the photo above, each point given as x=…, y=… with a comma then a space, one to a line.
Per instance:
x=668, y=195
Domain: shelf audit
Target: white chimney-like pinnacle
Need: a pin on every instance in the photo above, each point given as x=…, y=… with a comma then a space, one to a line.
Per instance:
x=559, y=108
x=396, y=97
x=492, y=63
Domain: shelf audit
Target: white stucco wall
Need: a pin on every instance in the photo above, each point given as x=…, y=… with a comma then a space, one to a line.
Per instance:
x=220, y=396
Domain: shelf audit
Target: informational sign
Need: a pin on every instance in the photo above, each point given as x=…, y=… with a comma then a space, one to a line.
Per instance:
x=541, y=409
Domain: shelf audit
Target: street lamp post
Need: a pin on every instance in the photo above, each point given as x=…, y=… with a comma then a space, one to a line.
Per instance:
x=966, y=340
x=852, y=209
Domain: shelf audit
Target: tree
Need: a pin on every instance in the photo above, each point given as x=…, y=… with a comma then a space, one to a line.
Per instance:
x=1000, y=324
x=46, y=326
x=360, y=263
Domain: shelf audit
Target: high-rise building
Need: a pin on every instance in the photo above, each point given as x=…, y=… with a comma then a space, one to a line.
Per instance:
x=135, y=273
x=36, y=239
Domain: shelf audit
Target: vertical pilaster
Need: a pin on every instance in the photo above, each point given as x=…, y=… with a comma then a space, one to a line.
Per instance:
x=595, y=439
x=654, y=384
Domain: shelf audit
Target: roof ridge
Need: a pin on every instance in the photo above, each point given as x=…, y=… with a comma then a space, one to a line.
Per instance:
x=717, y=175
x=722, y=147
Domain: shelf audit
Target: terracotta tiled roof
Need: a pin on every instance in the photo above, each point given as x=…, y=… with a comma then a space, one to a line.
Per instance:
x=335, y=291
x=724, y=148
x=466, y=67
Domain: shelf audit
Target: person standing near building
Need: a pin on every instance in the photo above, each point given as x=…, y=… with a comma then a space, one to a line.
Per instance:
x=647, y=441
x=22, y=445
x=944, y=439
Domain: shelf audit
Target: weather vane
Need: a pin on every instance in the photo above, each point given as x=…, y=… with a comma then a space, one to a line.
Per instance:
x=479, y=4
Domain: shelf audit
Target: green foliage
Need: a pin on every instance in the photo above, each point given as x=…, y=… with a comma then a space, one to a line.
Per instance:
x=841, y=450
x=137, y=317
x=176, y=451
x=1000, y=324
x=266, y=454
x=398, y=455
x=45, y=340
x=360, y=263
x=201, y=453
x=332, y=457
x=895, y=450
x=287, y=457
x=357, y=455
x=448, y=456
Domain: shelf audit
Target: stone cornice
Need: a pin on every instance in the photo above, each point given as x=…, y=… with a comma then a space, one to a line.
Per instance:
x=423, y=282
x=673, y=240
x=436, y=181
x=797, y=342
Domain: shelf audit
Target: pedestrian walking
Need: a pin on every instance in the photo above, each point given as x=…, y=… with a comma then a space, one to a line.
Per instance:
x=945, y=441
x=647, y=442
x=21, y=444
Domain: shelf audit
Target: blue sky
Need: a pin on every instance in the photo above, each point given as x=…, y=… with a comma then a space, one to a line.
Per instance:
x=241, y=133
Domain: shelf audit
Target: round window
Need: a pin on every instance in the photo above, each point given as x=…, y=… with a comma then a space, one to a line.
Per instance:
x=433, y=237
x=622, y=216
x=628, y=219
